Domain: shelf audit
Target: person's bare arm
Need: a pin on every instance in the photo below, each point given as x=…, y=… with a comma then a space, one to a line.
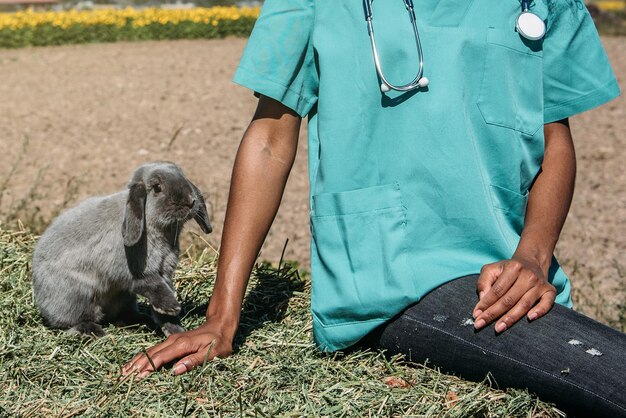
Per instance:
x=262, y=165
x=510, y=289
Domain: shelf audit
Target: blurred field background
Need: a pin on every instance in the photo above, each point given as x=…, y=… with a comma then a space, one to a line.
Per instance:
x=59, y=22
x=74, y=122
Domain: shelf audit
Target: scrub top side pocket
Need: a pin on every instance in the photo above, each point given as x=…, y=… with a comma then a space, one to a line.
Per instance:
x=359, y=256
x=511, y=92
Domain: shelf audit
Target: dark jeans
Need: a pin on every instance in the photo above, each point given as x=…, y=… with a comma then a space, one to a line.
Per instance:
x=564, y=357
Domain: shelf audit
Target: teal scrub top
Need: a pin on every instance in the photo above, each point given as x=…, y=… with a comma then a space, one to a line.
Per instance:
x=409, y=191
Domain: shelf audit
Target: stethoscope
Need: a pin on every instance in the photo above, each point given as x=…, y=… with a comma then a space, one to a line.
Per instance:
x=419, y=81
x=528, y=25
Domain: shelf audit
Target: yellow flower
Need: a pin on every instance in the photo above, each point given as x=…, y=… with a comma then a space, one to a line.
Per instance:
x=136, y=18
x=612, y=6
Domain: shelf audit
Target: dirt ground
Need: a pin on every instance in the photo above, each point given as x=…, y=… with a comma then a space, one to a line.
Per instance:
x=91, y=113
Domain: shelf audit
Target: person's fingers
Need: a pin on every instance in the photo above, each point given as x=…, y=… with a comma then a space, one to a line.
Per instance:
x=192, y=361
x=520, y=300
x=179, y=348
x=137, y=362
x=545, y=304
x=504, y=281
x=517, y=312
x=545, y=294
x=193, y=347
x=505, y=303
x=488, y=275
x=141, y=362
x=152, y=358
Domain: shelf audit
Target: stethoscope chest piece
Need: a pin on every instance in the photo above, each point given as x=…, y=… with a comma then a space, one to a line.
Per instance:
x=530, y=26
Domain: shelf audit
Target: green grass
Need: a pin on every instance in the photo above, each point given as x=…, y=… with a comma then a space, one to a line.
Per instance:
x=46, y=35
x=275, y=371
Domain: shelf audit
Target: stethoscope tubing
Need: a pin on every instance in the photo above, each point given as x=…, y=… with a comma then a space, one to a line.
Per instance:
x=531, y=30
x=367, y=6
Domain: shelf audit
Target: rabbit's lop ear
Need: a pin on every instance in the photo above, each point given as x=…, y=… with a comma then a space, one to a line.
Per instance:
x=201, y=216
x=134, y=215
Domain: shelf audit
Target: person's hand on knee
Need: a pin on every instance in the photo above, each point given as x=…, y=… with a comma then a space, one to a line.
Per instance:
x=509, y=290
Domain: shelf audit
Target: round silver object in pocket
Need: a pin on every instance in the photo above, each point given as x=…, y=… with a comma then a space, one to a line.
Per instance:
x=530, y=26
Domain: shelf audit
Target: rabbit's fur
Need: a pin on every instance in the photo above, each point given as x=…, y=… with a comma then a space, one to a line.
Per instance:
x=91, y=262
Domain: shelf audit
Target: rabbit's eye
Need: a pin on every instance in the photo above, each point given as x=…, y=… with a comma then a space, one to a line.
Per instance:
x=156, y=188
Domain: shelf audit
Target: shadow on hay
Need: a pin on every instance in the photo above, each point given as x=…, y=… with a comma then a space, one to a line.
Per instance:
x=267, y=301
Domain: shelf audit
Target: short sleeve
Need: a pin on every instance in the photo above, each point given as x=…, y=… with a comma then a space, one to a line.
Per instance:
x=577, y=74
x=278, y=61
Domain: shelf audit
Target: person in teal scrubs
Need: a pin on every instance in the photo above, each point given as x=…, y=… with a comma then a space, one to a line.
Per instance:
x=470, y=177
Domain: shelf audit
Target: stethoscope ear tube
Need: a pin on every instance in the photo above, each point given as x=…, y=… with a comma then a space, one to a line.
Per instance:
x=367, y=7
x=525, y=5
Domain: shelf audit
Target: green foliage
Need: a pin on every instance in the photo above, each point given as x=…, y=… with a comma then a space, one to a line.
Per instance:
x=44, y=34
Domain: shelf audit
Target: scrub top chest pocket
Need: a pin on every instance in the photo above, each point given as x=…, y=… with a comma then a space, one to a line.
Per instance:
x=359, y=256
x=511, y=91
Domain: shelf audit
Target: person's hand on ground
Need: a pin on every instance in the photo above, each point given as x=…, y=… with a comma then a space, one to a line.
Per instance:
x=193, y=348
x=510, y=289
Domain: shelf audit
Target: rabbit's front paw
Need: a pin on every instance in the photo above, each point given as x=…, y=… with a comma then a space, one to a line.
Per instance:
x=168, y=329
x=87, y=329
x=161, y=296
x=167, y=307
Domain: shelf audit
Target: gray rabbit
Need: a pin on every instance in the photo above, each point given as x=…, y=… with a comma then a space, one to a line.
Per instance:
x=94, y=259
